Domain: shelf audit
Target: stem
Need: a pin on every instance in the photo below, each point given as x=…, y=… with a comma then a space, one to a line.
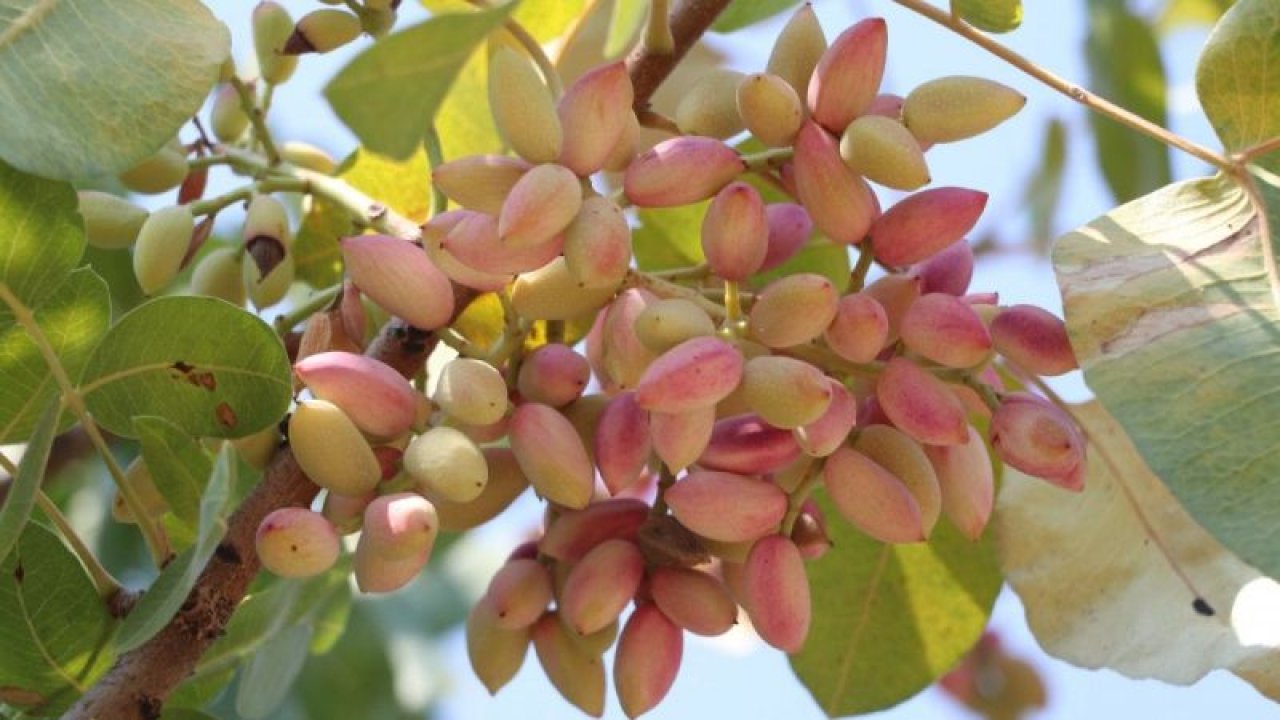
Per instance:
x=106, y=585
x=767, y=160
x=657, y=34
x=1249, y=154
x=261, y=135
x=655, y=120
x=695, y=273
x=666, y=479
x=435, y=158
x=663, y=288
x=795, y=501
x=733, y=308
x=858, y=277
x=155, y=538
x=214, y=205
x=1075, y=92
x=688, y=21
x=317, y=302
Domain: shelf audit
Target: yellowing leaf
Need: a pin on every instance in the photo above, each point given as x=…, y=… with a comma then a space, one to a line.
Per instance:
x=1100, y=590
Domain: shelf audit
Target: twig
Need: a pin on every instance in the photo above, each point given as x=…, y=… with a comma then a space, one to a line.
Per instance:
x=689, y=20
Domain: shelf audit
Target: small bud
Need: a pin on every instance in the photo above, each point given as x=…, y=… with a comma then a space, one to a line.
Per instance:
x=735, y=232
x=398, y=277
x=958, y=107
x=786, y=392
x=595, y=113
x=797, y=50
x=320, y=31
x=597, y=244
x=946, y=330
x=725, y=506
x=218, y=274
x=551, y=293
x=445, y=463
x=330, y=449
x=839, y=202
x=110, y=222
x=871, y=498
x=227, y=118
x=847, y=76
x=793, y=310
x=272, y=27
x=789, y=230
x=496, y=653
x=710, y=106
x=778, y=592
x=925, y=223
x=552, y=455
x=694, y=374
x=553, y=375
x=479, y=182
x=162, y=244
x=160, y=172
x=679, y=438
x=647, y=661
x=376, y=398
x=622, y=443
x=575, y=532
x=746, y=445
x=884, y=151
x=770, y=109
x=523, y=110
x=681, y=171
x=295, y=542
x=860, y=328
x=1034, y=339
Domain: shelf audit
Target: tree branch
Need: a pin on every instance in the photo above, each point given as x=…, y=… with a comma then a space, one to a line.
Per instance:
x=649, y=68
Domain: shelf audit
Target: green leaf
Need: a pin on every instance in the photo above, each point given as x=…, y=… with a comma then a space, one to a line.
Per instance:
x=1238, y=78
x=90, y=88
x=184, y=714
x=53, y=626
x=888, y=620
x=267, y=677
x=1173, y=318
x=1180, y=13
x=21, y=496
x=73, y=319
x=390, y=93
x=820, y=256
x=42, y=230
x=179, y=466
x=669, y=238
x=995, y=16
x=166, y=595
x=207, y=366
x=1044, y=191
x=1125, y=67
x=627, y=18
x=742, y=13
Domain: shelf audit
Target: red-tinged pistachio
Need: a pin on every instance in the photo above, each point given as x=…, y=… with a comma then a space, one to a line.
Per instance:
x=1034, y=339
x=886, y=105
x=786, y=392
x=694, y=600
x=472, y=238
x=1039, y=438
x=895, y=293
x=778, y=592
x=616, y=354
x=398, y=277
x=395, y=541
x=506, y=483
x=227, y=118
x=110, y=221
x=797, y=50
x=946, y=330
x=265, y=292
x=479, y=182
x=471, y=390
x=747, y=445
x=577, y=675
x=272, y=27
x=584, y=414
x=626, y=148
x=967, y=482
x=648, y=660
x=434, y=234
x=949, y=271
x=597, y=244
x=793, y=310
x=496, y=654
x=540, y=206
x=331, y=450
x=885, y=152
x=896, y=452
x=552, y=455
x=553, y=375
x=321, y=31
x=157, y=173
x=925, y=223
x=573, y=534
x=376, y=398
x=839, y=202
x=523, y=110
x=789, y=229
x=622, y=442
x=735, y=232
x=519, y=593
x=847, y=76
x=679, y=438
x=308, y=156
x=958, y=107
x=601, y=585
x=770, y=109
x=696, y=373
x=551, y=293
x=810, y=532
x=822, y=436
x=595, y=113
x=681, y=171
x=667, y=323
x=725, y=506
x=872, y=499
x=161, y=246
x=218, y=274
x=445, y=463
x=710, y=106
x=295, y=542
x=920, y=404
x=860, y=328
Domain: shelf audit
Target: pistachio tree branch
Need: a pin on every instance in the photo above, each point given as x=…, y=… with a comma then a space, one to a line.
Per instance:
x=649, y=66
